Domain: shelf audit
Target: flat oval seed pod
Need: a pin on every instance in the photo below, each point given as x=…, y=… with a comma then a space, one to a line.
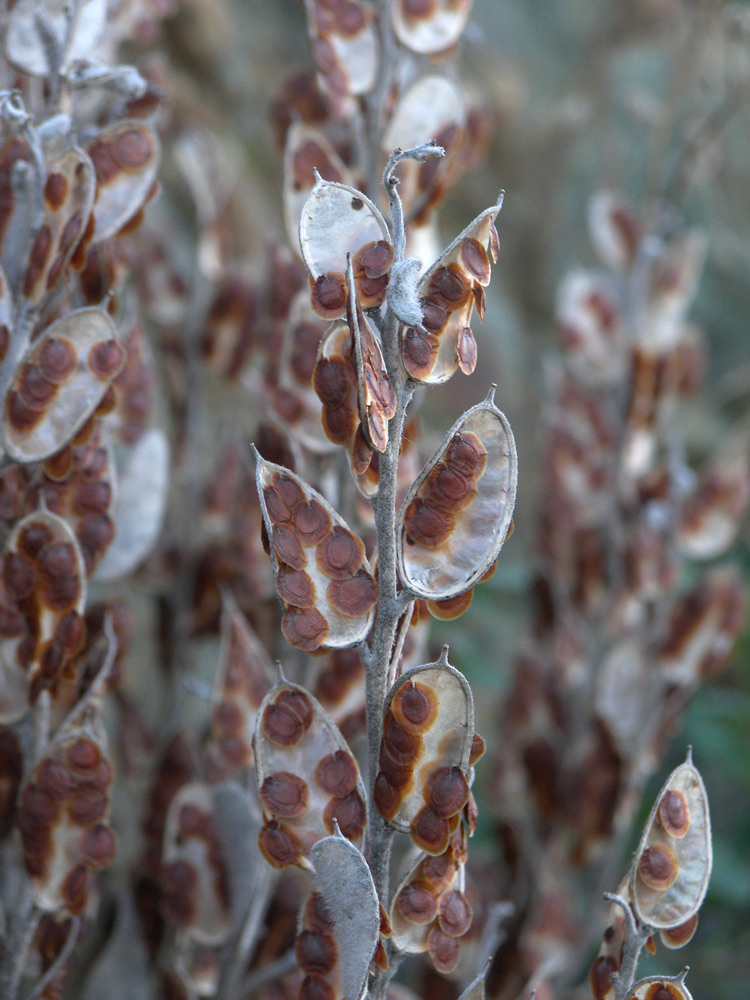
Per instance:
x=61, y=380
x=432, y=26
x=126, y=159
x=338, y=220
x=614, y=230
x=661, y=988
x=307, y=149
x=456, y=516
x=306, y=775
x=344, y=44
x=448, y=292
x=416, y=901
x=591, y=328
x=673, y=862
x=329, y=559
x=376, y=398
x=23, y=43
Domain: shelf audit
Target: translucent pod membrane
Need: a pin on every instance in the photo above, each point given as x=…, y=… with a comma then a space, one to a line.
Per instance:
x=68, y=198
x=673, y=862
x=336, y=381
x=194, y=878
x=244, y=678
x=63, y=817
x=591, y=328
x=448, y=292
x=320, y=570
x=339, y=922
x=421, y=786
x=60, y=381
x=307, y=777
x=661, y=988
x=344, y=44
x=336, y=221
x=457, y=514
x=428, y=26
x=614, y=230
x=45, y=577
x=23, y=42
x=126, y=159
x=375, y=395
x=429, y=911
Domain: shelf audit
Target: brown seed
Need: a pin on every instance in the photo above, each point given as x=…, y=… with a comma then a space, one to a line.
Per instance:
x=83, y=756
x=415, y=707
x=452, y=607
x=337, y=773
x=355, y=596
x=674, y=814
x=328, y=295
x=21, y=417
x=284, y=795
x=38, y=807
x=449, y=487
x=420, y=352
x=19, y=576
x=417, y=903
x=55, y=190
x=439, y=871
x=341, y=554
x=288, y=547
x=106, y=359
x=676, y=937
x=362, y=454
x=131, y=149
x=98, y=846
x=277, y=510
x=331, y=381
x=311, y=521
x=316, y=916
x=295, y=587
x=34, y=388
x=426, y=524
x=663, y=991
x=443, y=950
x=430, y=832
x=434, y=316
x=658, y=866
x=278, y=845
x=371, y=291
x=42, y=246
x=70, y=235
x=601, y=975
x=387, y=798
x=57, y=559
x=350, y=19
x=449, y=285
x=417, y=10
x=454, y=913
x=316, y=988
x=339, y=423
x=288, y=489
x=474, y=258
x=74, y=889
x=52, y=779
x=374, y=259
x=282, y=726
x=467, y=455
x=56, y=359
x=95, y=533
x=350, y=813
x=315, y=952
x=93, y=497
x=478, y=748
x=466, y=350
x=447, y=791
x=402, y=746
x=104, y=162
x=305, y=629
x=87, y=807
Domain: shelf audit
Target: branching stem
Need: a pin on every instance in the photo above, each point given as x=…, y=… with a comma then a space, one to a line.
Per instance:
x=635, y=938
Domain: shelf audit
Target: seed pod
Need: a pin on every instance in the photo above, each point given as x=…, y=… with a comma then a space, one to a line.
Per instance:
x=673, y=281
x=126, y=159
x=610, y=955
x=194, y=873
x=61, y=380
x=306, y=150
x=76, y=37
x=344, y=44
x=456, y=516
x=591, y=328
x=712, y=513
x=661, y=988
x=448, y=292
x=306, y=775
x=673, y=862
x=332, y=573
x=614, y=230
x=336, y=221
x=376, y=398
x=424, y=755
x=430, y=26
x=340, y=689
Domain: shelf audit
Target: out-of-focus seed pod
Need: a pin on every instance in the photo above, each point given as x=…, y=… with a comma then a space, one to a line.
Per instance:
x=344, y=43
x=75, y=38
x=456, y=516
x=610, y=954
x=126, y=159
x=307, y=777
x=712, y=513
x=60, y=381
x=336, y=221
x=244, y=678
x=661, y=988
x=231, y=328
x=11, y=772
x=14, y=678
x=196, y=892
x=376, y=398
x=591, y=328
x=321, y=573
x=340, y=689
x=673, y=862
x=448, y=292
x=306, y=150
x=6, y=316
x=614, y=230
x=652, y=389
x=430, y=26
x=673, y=281
x=424, y=755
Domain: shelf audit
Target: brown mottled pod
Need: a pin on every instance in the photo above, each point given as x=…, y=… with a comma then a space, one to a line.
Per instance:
x=428, y=28
x=329, y=601
x=344, y=44
x=591, y=328
x=306, y=150
x=661, y=988
x=126, y=159
x=614, y=230
x=340, y=689
x=448, y=292
x=610, y=954
x=672, y=865
x=307, y=777
x=456, y=516
x=338, y=220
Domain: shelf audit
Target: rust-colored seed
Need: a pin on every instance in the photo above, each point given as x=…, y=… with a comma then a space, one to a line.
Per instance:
x=415, y=707
x=105, y=165
x=337, y=773
x=95, y=532
x=430, y=832
x=443, y=950
x=311, y=522
x=331, y=381
x=400, y=776
x=355, y=596
x=277, y=510
x=227, y=718
x=295, y=587
x=420, y=352
x=374, y=259
x=328, y=294
x=362, y=455
x=340, y=555
x=434, y=316
x=131, y=149
x=674, y=814
x=662, y=991
x=449, y=486
x=59, y=465
x=316, y=988
x=417, y=903
x=658, y=866
x=467, y=455
x=447, y=791
x=299, y=703
x=106, y=359
x=98, y=846
x=679, y=936
x=316, y=916
x=55, y=190
x=350, y=813
x=288, y=489
x=57, y=559
x=315, y=952
x=475, y=260
x=350, y=19
x=478, y=748
x=52, y=661
x=386, y=797
x=70, y=235
x=34, y=388
x=4, y=340
x=57, y=359
x=466, y=350
x=52, y=779
x=450, y=285
x=402, y=746
x=38, y=807
x=21, y=417
x=282, y=726
x=454, y=913
x=417, y=10
x=19, y=576
x=439, y=871
x=426, y=524
x=288, y=547
x=83, y=756
x=601, y=975
x=74, y=889
x=305, y=628
x=42, y=246
x=87, y=807
x=284, y=795
x=93, y=497
x=339, y=423
x=278, y=845
x=70, y=632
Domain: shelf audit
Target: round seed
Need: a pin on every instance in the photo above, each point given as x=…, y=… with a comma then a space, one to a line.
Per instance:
x=328, y=295
x=386, y=797
x=426, y=524
x=341, y=554
x=74, y=889
x=315, y=952
x=295, y=587
x=284, y=795
x=98, y=846
x=278, y=845
x=420, y=352
x=417, y=903
x=305, y=629
x=355, y=596
x=430, y=832
x=350, y=813
x=331, y=381
x=312, y=522
x=474, y=258
x=337, y=773
x=447, y=792
x=454, y=913
x=415, y=707
x=658, y=866
x=131, y=149
x=443, y=950
x=674, y=814
x=57, y=359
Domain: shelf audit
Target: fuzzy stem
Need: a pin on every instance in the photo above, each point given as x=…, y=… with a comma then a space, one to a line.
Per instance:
x=635, y=938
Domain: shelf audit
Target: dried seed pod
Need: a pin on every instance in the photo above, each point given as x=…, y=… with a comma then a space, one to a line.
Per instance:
x=614, y=230
x=712, y=513
x=591, y=328
x=673, y=862
x=609, y=959
x=75, y=37
x=336, y=221
x=344, y=44
x=329, y=559
x=194, y=873
x=307, y=777
x=126, y=159
x=448, y=292
x=430, y=26
x=376, y=398
x=340, y=689
x=661, y=988
x=456, y=516
x=673, y=281
x=306, y=150
x=424, y=756
x=60, y=382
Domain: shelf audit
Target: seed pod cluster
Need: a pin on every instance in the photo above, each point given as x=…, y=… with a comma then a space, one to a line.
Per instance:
x=194, y=879
x=126, y=159
x=457, y=514
x=61, y=381
x=344, y=44
x=307, y=777
x=448, y=292
x=63, y=818
x=45, y=578
x=321, y=573
x=244, y=678
x=430, y=911
x=673, y=862
x=421, y=786
x=430, y=28
x=338, y=221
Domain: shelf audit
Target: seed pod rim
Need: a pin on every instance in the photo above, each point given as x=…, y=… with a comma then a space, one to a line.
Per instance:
x=639, y=990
